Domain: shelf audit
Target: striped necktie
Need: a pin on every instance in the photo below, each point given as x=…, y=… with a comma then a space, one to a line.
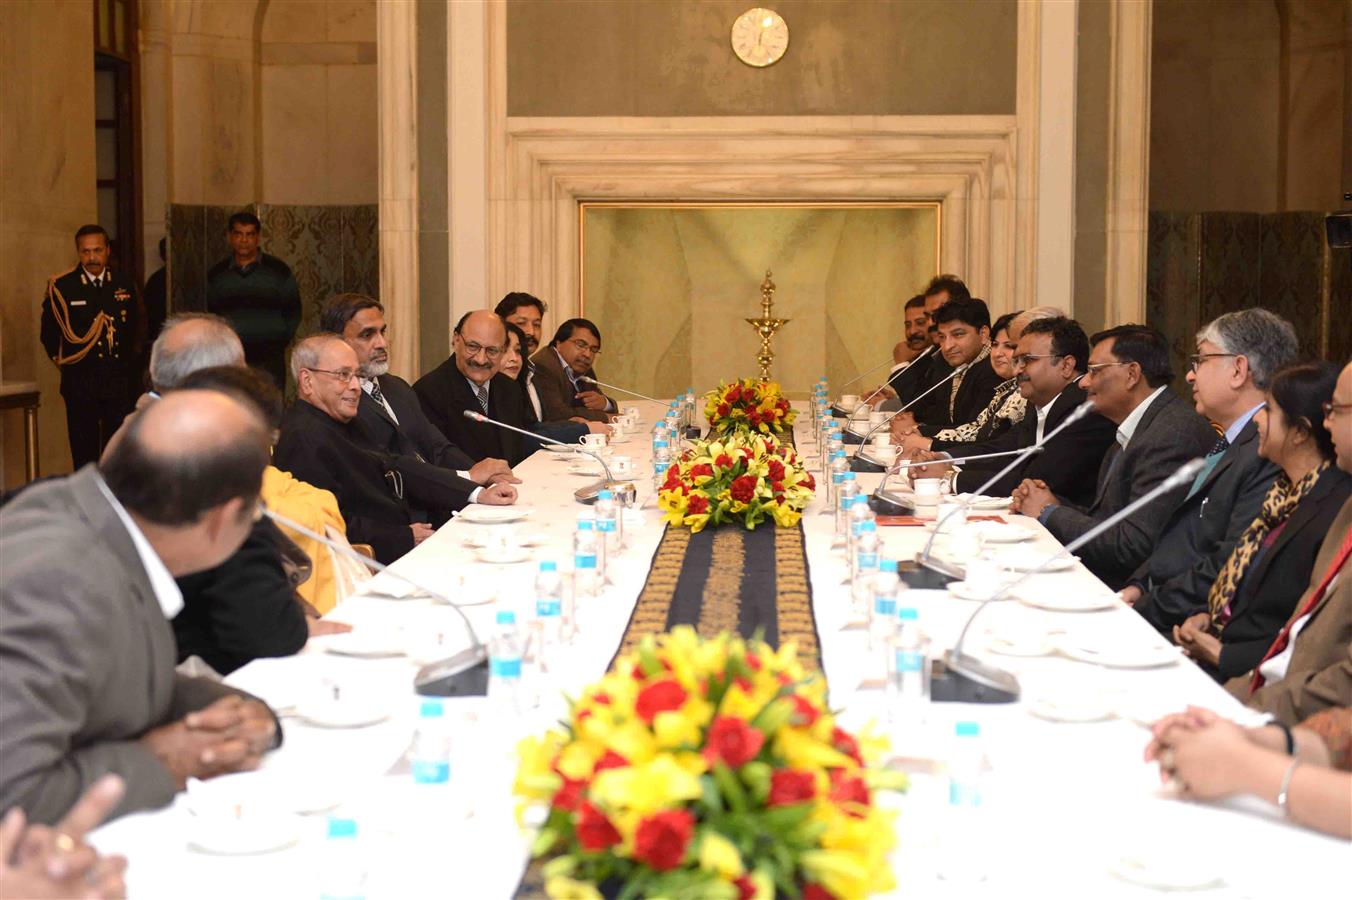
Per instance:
x=482, y=393
x=376, y=395
x=1209, y=465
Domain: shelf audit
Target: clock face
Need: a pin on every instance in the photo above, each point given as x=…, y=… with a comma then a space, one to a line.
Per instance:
x=760, y=37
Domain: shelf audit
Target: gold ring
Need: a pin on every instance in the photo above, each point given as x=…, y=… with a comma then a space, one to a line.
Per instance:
x=64, y=842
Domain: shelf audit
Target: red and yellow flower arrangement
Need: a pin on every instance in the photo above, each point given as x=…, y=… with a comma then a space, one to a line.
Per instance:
x=740, y=478
x=748, y=405
x=708, y=768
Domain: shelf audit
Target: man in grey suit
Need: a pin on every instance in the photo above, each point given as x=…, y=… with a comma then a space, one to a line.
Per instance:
x=1128, y=380
x=1236, y=357
x=87, y=680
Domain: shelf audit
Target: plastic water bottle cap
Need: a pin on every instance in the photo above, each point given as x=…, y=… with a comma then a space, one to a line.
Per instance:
x=342, y=828
x=967, y=729
x=887, y=565
x=849, y=476
x=604, y=495
x=907, y=614
x=506, y=617
x=431, y=709
x=548, y=565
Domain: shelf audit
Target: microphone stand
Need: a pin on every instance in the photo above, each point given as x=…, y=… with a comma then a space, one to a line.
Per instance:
x=840, y=413
x=615, y=388
x=1076, y=415
x=966, y=679
x=463, y=674
x=884, y=500
x=625, y=489
x=874, y=430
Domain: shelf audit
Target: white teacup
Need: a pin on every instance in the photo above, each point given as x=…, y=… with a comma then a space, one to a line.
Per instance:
x=594, y=441
x=982, y=574
x=882, y=439
x=876, y=418
x=849, y=401
x=631, y=414
x=622, y=466
x=928, y=491
x=953, y=515
x=884, y=453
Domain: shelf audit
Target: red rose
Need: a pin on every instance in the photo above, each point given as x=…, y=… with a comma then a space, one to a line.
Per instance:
x=702, y=469
x=698, y=504
x=743, y=488
x=816, y=892
x=723, y=410
x=610, y=760
x=723, y=461
x=804, y=713
x=788, y=786
x=845, y=743
x=662, y=839
x=849, y=789
x=782, y=406
x=594, y=831
x=568, y=796
x=734, y=394
x=733, y=741
x=811, y=482
x=776, y=470
x=662, y=696
x=754, y=419
x=777, y=487
x=746, y=888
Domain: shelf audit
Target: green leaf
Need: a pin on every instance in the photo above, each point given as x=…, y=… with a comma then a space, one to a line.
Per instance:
x=648, y=661
x=544, y=841
x=709, y=793
x=730, y=786
x=756, y=775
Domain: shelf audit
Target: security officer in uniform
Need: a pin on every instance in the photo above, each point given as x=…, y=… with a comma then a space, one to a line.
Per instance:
x=92, y=328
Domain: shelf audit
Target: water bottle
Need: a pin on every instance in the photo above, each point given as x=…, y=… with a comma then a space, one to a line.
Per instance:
x=661, y=433
x=661, y=462
x=862, y=522
x=864, y=573
x=965, y=763
x=548, y=608
x=430, y=757
x=840, y=467
x=883, y=614
x=848, y=490
x=342, y=869
x=586, y=566
x=607, y=522
x=908, y=689
x=834, y=444
x=505, y=665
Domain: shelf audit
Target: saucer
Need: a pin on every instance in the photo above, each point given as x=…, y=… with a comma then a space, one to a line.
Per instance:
x=1072, y=709
x=247, y=835
x=562, y=449
x=363, y=645
x=1000, y=532
x=487, y=515
x=1022, y=561
x=1153, y=656
x=503, y=555
x=1168, y=871
x=326, y=713
x=1061, y=602
x=964, y=591
x=982, y=502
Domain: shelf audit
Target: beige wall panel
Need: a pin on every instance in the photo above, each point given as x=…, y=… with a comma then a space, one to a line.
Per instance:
x=673, y=58
x=350, y=145
x=295, y=132
x=670, y=289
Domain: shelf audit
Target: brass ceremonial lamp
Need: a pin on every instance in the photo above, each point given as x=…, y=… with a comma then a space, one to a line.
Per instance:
x=766, y=326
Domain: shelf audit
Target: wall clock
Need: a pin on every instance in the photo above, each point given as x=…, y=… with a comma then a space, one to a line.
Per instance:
x=760, y=37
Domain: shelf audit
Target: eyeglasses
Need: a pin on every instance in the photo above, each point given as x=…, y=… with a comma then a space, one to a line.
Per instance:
x=1331, y=409
x=473, y=349
x=343, y=375
x=1093, y=368
x=583, y=345
x=1022, y=359
x=1197, y=359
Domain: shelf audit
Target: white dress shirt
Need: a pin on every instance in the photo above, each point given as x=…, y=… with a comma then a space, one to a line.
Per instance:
x=1128, y=426
x=534, y=397
x=161, y=582
x=1042, y=413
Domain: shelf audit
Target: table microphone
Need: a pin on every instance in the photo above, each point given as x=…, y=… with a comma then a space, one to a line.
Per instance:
x=615, y=388
x=966, y=679
x=623, y=487
x=904, y=366
x=847, y=433
x=892, y=505
x=463, y=674
x=1076, y=415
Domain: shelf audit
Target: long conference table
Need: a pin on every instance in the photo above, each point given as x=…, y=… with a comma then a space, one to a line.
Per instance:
x=1067, y=806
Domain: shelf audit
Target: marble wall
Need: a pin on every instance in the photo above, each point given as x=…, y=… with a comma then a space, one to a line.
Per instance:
x=1249, y=105
x=46, y=193
x=671, y=287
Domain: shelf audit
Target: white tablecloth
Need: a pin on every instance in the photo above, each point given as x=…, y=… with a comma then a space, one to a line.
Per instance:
x=1064, y=802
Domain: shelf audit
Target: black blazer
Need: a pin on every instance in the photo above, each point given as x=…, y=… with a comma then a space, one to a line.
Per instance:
x=413, y=434
x=1169, y=434
x=445, y=394
x=974, y=394
x=908, y=382
x=1278, y=577
x=332, y=455
x=243, y=609
x=1201, y=532
x=931, y=407
x=1069, y=464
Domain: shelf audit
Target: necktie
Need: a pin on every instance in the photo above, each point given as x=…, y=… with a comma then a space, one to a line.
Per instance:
x=1284, y=638
x=482, y=393
x=376, y=395
x=1208, y=465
